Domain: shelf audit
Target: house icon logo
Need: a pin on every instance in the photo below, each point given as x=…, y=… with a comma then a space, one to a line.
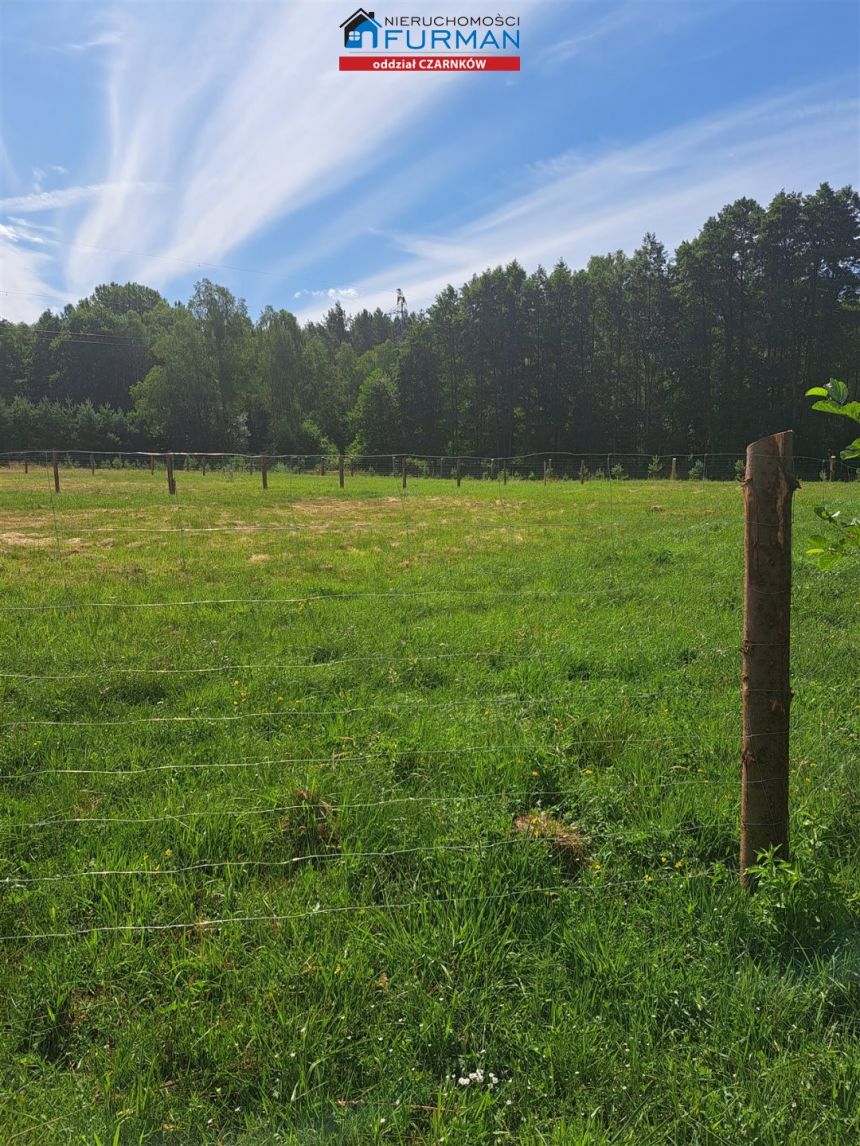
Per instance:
x=359, y=25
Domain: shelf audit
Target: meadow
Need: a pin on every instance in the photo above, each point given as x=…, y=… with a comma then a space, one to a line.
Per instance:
x=411, y=816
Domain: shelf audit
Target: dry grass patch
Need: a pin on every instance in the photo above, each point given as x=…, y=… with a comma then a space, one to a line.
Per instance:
x=567, y=844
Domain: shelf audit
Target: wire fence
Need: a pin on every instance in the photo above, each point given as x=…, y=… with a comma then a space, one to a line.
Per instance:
x=546, y=466
x=522, y=730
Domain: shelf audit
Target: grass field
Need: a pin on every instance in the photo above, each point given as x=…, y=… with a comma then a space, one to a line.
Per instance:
x=459, y=771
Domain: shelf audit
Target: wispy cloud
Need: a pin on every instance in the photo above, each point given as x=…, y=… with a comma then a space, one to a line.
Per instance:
x=669, y=183
x=624, y=27
x=32, y=226
x=246, y=138
x=24, y=290
x=240, y=121
x=105, y=39
x=19, y=233
x=70, y=196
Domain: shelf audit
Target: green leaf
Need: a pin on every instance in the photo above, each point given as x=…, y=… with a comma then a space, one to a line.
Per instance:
x=851, y=452
x=826, y=514
x=847, y=410
x=815, y=392
x=838, y=391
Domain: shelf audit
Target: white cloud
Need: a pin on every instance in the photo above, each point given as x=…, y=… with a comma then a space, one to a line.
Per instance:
x=68, y=196
x=669, y=184
x=256, y=130
x=331, y=293
x=105, y=39
x=19, y=233
x=24, y=293
x=32, y=226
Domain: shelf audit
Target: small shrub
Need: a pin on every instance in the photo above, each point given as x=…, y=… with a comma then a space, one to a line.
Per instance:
x=655, y=467
x=617, y=472
x=697, y=469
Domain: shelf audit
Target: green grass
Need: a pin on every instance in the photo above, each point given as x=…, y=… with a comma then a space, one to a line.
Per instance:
x=395, y=677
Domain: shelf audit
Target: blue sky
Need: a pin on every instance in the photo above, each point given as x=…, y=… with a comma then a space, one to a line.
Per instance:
x=161, y=142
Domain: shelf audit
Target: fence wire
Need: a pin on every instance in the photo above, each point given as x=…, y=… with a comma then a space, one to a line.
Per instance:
x=406, y=479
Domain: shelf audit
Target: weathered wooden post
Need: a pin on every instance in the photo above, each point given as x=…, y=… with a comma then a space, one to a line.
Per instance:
x=92, y=464
x=544, y=471
x=203, y=464
x=56, y=471
x=831, y=469
x=264, y=470
x=769, y=484
x=459, y=471
x=583, y=472
x=340, y=470
x=403, y=470
x=26, y=465
x=674, y=473
x=171, y=481
x=152, y=463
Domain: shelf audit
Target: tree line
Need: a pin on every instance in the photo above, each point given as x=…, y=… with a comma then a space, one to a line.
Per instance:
x=702, y=351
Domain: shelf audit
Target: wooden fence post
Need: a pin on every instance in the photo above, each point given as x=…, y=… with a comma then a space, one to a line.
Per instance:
x=674, y=474
x=544, y=471
x=152, y=463
x=203, y=464
x=340, y=470
x=769, y=484
x=322, y=465
x=264, y=470
x=583, y=472
x=403, y=470
x=459, y=472
x=56, y=471
x=171, y=481
x=831, y=469
x=92, y=464
x=26, y=465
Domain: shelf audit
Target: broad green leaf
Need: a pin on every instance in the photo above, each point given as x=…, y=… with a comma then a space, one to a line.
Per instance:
x=817, y=392
x=838, y=391
x=848, y=410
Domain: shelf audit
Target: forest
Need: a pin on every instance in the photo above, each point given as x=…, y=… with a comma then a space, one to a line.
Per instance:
x=702, y=350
